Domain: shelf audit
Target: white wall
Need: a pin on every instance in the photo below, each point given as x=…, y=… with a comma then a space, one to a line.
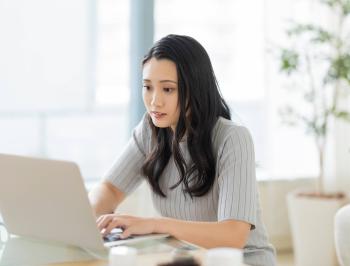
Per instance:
x=337, y=161
x=274, y=208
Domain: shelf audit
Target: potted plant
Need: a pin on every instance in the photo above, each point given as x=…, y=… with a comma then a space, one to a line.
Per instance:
x=319, y=59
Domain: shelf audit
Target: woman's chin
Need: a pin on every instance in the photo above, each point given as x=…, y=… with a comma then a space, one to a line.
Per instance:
x=160, y=124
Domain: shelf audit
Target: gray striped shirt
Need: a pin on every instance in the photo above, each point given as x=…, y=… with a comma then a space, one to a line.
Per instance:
x=234, y=194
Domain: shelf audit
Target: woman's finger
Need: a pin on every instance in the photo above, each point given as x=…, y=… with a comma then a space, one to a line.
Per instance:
x=104, y=221
x=126, y=233
x=99, y=219
x=115, y=223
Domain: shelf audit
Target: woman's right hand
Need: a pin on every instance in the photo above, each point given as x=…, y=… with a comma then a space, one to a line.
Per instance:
x=131, y=225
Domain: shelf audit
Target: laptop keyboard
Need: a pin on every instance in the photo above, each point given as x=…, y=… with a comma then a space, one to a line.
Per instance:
x=114, y=236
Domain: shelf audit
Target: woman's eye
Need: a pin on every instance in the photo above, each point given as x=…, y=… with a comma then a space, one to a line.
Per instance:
x=147, y=88
x=168, y=89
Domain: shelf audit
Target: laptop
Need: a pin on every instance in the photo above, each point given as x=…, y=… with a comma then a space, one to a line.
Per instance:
x=47, y=199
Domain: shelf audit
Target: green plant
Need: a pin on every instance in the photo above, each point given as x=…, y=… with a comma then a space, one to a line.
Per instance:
x=319, y=58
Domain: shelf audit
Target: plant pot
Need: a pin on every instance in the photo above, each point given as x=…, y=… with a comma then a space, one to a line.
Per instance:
x=312, y=226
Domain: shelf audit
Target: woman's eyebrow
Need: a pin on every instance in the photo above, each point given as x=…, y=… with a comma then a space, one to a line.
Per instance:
x=167, y=80
x=161, y=81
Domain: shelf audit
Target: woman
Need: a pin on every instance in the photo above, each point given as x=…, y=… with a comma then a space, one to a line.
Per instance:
x=199, y=164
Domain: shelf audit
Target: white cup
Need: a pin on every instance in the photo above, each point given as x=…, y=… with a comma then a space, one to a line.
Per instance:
x=223, y=257
x=122, y=256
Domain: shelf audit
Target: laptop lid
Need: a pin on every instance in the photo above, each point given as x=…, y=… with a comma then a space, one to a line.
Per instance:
x=46, y=199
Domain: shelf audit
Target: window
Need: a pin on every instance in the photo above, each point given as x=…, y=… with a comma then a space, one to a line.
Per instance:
x=59, y=109
x=237, y=36
x=64, y=83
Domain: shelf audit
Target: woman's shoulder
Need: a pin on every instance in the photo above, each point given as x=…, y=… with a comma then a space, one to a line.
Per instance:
x=225, y=129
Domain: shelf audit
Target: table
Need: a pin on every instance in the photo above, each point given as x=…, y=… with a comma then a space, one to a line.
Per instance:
x=18, y=251
x=146, y=260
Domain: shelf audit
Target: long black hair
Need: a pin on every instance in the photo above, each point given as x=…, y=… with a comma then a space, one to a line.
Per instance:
x=201, y=104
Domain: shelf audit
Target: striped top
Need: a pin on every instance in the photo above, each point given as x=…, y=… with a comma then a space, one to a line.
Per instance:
x=234, y=194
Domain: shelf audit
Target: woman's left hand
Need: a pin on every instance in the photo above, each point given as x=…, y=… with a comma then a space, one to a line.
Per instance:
x=131, y=225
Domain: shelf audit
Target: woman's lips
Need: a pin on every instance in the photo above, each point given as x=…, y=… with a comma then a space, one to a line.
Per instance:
x=157, y=115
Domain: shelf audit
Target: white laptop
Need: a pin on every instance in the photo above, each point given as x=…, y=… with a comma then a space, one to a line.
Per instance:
x=46, y=199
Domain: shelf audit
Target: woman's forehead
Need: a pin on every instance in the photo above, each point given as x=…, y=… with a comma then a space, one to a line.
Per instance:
x=159, y=70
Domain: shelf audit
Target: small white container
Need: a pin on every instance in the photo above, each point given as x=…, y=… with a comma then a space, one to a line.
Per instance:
x=224, y=257
x=122, y=256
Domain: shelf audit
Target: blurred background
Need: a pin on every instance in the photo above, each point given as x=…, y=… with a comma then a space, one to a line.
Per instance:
x=70, y=85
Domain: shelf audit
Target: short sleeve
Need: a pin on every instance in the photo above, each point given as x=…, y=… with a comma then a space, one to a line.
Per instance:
x=125, y=172
x=237, y=181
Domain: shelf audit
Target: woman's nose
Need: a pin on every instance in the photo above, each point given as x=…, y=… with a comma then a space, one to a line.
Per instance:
x=156, y=99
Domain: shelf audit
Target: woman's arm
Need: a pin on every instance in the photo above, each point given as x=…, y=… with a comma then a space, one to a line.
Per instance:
x=229, y=233
x=105, y=198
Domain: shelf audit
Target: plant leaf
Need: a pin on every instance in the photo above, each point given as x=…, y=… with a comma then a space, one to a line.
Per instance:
x=344, y=5
x=342, y=114
x=340, y=68
x=317, y=33
x=289, y=61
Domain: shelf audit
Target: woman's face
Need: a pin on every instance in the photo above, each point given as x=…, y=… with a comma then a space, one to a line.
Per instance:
x=160, y=92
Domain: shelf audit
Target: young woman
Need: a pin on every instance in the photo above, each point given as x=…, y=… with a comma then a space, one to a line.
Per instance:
x=199, y=164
